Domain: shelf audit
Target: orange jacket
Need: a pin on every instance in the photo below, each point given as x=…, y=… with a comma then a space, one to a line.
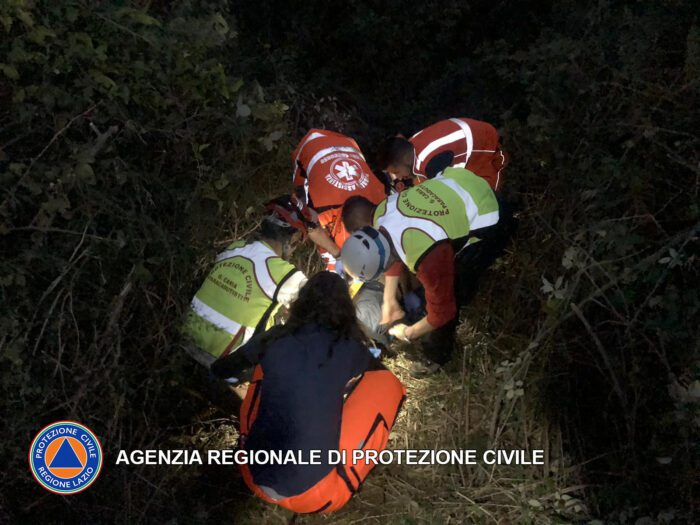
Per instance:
x=331, y=168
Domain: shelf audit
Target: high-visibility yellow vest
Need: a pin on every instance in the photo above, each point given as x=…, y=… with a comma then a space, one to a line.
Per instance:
x=449, y=206
x=238, y=297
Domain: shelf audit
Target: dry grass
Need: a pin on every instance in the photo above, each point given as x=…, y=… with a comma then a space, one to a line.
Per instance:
x=465, y=406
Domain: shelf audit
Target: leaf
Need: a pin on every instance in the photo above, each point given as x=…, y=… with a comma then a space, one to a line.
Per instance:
x=534, y=503
x=40, y=34
x=220, y=24
x=238, y=84
x=221, y=182
x=6, y=22
x=84, y=171
x=10, y=71
x=546, y=286
x=101, y=78
x=26, y=18
x=243, y=111
x=143, y=19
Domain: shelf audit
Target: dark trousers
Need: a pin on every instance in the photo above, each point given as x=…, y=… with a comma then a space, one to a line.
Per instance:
x=470, y=264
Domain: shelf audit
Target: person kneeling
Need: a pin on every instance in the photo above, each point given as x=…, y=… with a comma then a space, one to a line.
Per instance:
x=315, y=387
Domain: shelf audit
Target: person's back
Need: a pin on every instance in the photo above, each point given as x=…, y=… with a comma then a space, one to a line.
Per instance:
x=249, y=282
x=313, y=389
x=455, y=142
x=301, y=401
x=459, y=143
x=448, y=207
x=328, y=169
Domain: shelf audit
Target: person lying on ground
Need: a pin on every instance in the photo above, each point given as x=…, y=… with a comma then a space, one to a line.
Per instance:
x=315, y=387
x=446, y=231
x=456, y=142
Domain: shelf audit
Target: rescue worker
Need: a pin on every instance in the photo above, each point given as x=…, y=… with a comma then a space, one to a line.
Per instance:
x=455, y=142
x=328, y=169
x=249, y=283
x=315, y=387
x=446, y=231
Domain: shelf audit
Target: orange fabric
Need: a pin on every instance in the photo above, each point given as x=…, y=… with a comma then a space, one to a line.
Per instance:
x=331, y=221
x=369, y=413
x=331, y=168
x=249, y=407
x=487, y=159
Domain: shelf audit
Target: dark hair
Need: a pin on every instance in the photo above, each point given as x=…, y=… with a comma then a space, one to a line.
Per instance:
x=324, y=300
x=357, y=212
x=392, y=151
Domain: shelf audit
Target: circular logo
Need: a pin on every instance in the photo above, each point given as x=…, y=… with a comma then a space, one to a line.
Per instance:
x=346, y=173
x=65, y=457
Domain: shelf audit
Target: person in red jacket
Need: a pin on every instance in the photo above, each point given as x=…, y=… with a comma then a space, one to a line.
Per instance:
x=448, y=273
x=329, y=168
x=455, y=142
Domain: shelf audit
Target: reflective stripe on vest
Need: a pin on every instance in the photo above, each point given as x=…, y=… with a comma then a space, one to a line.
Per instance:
x=449, y=206
x=238, y=294
x=396, y=224
x=476, y=221
x=464, y=132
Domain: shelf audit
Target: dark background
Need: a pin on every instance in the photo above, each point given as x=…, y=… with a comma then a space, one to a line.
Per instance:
x=137, y=139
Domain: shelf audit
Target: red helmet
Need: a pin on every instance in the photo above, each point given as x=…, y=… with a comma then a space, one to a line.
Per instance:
x=291, y=210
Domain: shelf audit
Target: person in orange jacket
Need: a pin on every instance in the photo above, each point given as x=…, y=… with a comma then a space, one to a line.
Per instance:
x=455, y=142
x=329, y=168
x=315, y=387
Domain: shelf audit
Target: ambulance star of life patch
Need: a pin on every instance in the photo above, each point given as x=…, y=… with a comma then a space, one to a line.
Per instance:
x=65, y=457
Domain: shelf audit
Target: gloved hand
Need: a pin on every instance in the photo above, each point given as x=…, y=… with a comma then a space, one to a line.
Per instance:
x=399, y=331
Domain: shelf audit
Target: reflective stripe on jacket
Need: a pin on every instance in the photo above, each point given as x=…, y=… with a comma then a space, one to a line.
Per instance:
x=331, y=168
x=459, y=143
x=447, y=207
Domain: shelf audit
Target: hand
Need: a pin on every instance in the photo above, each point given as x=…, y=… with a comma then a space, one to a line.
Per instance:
x=391, y=312
x=399, y=331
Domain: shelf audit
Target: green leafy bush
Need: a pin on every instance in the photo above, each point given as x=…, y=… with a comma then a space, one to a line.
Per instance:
x=129, y=140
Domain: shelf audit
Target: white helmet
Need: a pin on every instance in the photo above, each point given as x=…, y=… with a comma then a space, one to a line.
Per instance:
x=366, y=254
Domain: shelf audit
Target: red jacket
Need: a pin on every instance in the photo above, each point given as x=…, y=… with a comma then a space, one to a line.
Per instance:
x=461, y=143
x=436, y=272
x=331, y=168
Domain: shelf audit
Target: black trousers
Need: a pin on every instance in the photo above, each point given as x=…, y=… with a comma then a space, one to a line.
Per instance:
x=470, y=264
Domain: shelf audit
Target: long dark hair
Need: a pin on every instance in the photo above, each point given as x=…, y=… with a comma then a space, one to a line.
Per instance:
x=324, y=300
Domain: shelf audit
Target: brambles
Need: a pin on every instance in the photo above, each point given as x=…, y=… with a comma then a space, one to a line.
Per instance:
x=134, y=143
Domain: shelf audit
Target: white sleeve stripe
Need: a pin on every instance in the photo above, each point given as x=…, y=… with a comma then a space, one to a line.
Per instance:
x=209, y=314
x=326, y=151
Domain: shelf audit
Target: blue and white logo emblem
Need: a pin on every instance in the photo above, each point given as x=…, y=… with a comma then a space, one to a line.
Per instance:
x=65, y=457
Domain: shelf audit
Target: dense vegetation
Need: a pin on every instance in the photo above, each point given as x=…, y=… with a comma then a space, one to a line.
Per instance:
x=137, y=138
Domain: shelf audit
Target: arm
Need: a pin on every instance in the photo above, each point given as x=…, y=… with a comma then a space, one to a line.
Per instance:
x=245, y=356
x=238, y=361
x=289, y=290
x=391, y=309
x=319, y=236
x=436, y=274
